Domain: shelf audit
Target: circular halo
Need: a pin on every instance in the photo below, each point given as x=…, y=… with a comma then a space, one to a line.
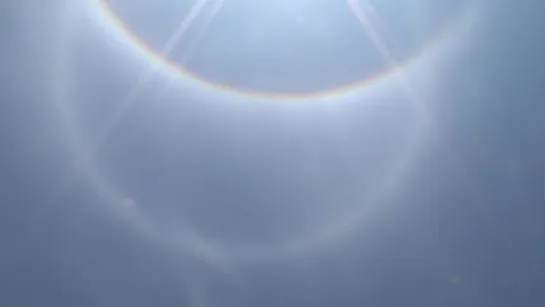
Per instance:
x=185, y=239
x=125, y=36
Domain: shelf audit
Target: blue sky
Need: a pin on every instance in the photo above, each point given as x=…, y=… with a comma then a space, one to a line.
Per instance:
x=186, y=195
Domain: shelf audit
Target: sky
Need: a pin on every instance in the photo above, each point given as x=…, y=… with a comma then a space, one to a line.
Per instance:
x=272, y=153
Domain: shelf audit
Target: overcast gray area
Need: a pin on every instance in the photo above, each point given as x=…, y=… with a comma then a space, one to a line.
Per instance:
x=125, y=185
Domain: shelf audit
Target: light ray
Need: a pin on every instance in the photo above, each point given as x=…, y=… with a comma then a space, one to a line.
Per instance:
x=202, y=31
x=197, y=39
x=83, y=162
x=148, y=73
x=145, y=76
x=364, y=13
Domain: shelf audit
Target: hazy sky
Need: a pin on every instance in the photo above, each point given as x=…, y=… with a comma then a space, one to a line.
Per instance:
x=255, y=178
